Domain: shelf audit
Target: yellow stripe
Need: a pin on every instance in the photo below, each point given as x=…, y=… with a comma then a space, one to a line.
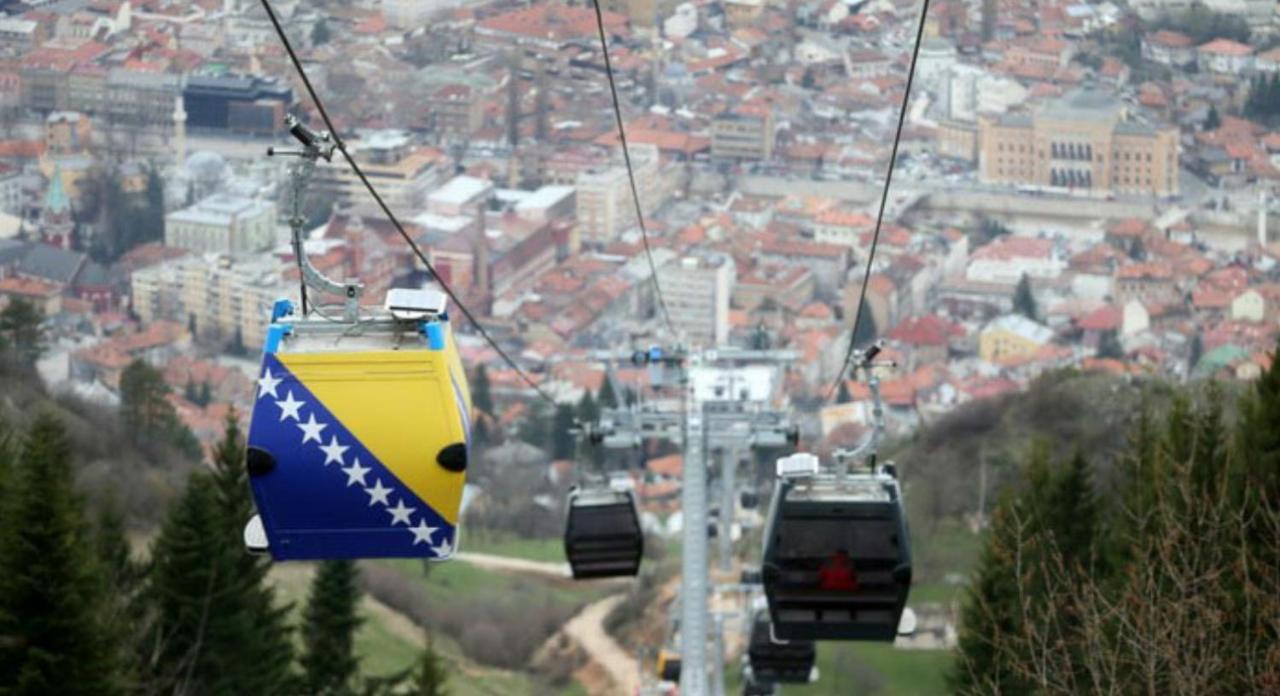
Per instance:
x=400, y=406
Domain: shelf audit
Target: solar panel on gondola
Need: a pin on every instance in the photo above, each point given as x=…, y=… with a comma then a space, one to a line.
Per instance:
x=602, y=535
x=837, y=558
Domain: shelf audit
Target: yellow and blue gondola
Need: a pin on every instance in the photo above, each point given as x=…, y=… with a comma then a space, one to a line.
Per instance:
x=359, y=438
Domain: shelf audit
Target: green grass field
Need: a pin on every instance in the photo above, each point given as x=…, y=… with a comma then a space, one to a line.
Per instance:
x=868, y=669
x=500, y=544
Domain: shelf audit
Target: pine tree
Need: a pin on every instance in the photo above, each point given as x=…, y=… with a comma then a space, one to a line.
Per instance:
x=51, y=602
x=1024, y=300
x=430, y=677
x=534, y=429
x=20, y=331
x=144, y=407
x=562, y=443
x=123, y=579
x=189, y=391
x=481, y=395
x=205, y=396
x=329, y=662
x=606, y=397
x=218, y=629
x=587, y=410
x=320, y=33
x=1213, y=121
x=990, y=617
x=1256, y=462
x=1072, y=512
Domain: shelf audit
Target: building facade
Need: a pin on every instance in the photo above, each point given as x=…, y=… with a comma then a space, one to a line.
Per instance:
x=223, y=224
x=739, y=135
x=1084, y=141
x=696, y=291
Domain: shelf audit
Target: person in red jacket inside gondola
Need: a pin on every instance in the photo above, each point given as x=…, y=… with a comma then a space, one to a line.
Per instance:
x=837, y=573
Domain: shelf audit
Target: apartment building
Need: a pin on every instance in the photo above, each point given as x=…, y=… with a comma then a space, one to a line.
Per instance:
x=221, y=297
x=743, y=134
x=697, y=291
x=402, y=170
x=605, y=208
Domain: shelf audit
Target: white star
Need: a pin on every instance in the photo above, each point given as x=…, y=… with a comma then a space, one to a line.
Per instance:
x=400, y=513
x=378, y=494
x=443, y=550
x=267, y=384
x=355, y=473
x=311, y=429
x=333, y=451
x=422, y=533
x=289, y=407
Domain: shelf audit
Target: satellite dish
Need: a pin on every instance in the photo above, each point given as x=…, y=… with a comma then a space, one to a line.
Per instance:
x=907, y=624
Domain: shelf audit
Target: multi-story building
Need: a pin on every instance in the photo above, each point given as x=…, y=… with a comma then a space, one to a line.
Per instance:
x=238, y=103
x=221, y=298
x=17, y=36
x=66, y=133
x=403, y=171
x=744, y=133
x=1011, y=337
x=223, y=224
x=1086, y=140
x=605, y=208
x=696, y=292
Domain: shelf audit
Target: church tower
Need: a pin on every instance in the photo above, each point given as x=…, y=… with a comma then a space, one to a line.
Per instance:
x=56, y=225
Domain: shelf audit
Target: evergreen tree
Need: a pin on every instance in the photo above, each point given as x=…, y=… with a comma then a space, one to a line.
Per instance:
x=606, y=397
x=218, y=629
x=55, y=640
x=144, y=406
x=1109, y=345
x=1024, y=300
x=534, y=429
x=430, y=677
x=481, y=395
x=189, y=391
x=123, y=578
x=329, y=663
x=153, y=214
x=562, y=443
x=990, y=616
x=205, y=396
x=320, y=33
x=1213, y=121
x=587, y=410
x=20, y=331
x=1256, y=461
x=865, y=329
x=1194, y=352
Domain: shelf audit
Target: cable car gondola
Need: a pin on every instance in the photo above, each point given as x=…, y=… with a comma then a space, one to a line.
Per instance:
x=358, y=442
x=602, y=537
x=669, y=666
x=837, y=558
x=773, y=661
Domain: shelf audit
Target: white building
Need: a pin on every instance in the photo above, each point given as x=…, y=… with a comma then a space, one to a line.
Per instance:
x=682, y=22
x=1008, y=258
x=411, y=14
x=971, y=91
x=696, y=291
x=224, y=224
x=605, y=208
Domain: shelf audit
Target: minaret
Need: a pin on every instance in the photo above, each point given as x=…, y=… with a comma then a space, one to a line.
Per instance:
x=1262, y=216
x=179, y=133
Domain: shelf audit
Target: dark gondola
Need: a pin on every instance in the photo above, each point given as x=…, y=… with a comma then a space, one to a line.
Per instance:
x=669, y=666
x=602, y=537
x=837, y=558
x=778, y=662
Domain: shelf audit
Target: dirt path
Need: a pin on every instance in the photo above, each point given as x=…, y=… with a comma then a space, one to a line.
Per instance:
x=518, y=565
x=587, y=629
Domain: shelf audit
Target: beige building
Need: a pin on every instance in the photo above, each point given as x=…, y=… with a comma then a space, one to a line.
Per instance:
x=222, y=298
x=605, y=208
x=696, y=291
x=402, y=171
x=1086, y=140
x=224, y=224
x=743, y=134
